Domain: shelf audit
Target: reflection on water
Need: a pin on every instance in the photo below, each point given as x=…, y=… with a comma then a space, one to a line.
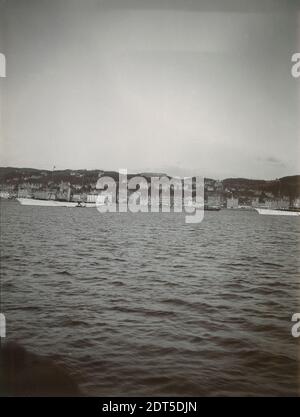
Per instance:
x=144, y=304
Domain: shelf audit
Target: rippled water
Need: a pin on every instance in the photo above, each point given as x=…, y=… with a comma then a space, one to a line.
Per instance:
x=146, y=304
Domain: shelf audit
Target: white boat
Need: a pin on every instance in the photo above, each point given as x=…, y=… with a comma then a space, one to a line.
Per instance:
x=52, y=203
x=277, y=212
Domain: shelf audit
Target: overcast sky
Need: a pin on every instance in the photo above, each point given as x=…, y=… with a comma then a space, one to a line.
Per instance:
x=183, y=87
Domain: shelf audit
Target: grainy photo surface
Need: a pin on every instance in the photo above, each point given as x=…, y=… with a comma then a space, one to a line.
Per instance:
x=149, y=199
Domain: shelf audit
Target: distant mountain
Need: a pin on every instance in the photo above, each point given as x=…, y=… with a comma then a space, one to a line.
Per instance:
x=285, y=186
x=10, y=176
x=15, y=176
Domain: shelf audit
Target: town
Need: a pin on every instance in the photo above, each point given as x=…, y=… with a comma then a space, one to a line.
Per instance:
x=81, y=186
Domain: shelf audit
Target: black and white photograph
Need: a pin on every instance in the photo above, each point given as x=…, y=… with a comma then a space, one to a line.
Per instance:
x=149, y=201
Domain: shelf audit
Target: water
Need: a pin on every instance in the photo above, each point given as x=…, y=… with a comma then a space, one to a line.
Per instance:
x=144, y=304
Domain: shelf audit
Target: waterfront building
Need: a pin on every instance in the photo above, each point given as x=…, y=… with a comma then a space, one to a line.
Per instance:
x=232, y=203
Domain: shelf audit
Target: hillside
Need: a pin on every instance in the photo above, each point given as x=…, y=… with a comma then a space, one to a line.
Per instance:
x=12, y=178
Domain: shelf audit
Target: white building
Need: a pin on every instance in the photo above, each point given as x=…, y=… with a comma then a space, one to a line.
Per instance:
x=232, y=203
x=91, y=198
x=214, y=200
x=296, y=202
x=4, y=194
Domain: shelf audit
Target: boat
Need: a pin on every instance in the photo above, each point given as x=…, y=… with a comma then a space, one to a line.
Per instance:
x=80, y=205
x=212, y=208
x=204, y=207
x=277, y=212
x=52, y=203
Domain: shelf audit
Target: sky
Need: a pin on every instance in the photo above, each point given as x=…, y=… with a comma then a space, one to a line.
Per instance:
x=183, y=87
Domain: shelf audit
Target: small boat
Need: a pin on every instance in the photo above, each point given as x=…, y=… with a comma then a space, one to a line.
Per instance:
x=212, y=208
x=80, y=205
x=277, y=212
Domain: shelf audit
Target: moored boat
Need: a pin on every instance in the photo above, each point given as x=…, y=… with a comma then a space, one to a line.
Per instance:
x=212, y=208
x=51, y=203
x=277, y=212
